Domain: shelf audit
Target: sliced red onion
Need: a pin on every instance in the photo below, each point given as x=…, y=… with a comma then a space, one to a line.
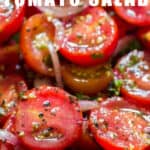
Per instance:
x=64, y=10
x=56, y=64
x=86, y=105
x=8, y=136
x=123, y=43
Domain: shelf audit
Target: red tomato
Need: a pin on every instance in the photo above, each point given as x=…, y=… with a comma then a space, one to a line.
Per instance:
x=36, y=34
x=11, y=19
x=11, y=87
x=79, y=79
x=134, y=14
x=31, y=10
x=118, y=125
x=89, y=38
x=49, y=119
x=144, y=37
x=134, y=69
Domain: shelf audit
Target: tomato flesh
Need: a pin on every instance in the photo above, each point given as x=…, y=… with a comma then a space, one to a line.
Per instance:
x=49, y=119
x=89, y=38
x=89, y=80
x=125, y=129
x=11, y=19
x=37, y=33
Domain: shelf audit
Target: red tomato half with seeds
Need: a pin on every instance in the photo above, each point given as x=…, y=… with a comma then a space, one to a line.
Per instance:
x=48, y=119
x=134, y=70
x=11, y=87
x=11, y=19
x=118, y=125
x=89, y=38
x=136, y=15
x=36, y=34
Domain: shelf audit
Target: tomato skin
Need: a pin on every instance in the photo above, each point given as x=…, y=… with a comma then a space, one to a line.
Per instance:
x=8, y=28
x=83, y=52
x=121, y=112
x=11, y=86
x=144, y=37
x=135, y=15
x=36, y=26
x=135, y=76
x=94, y=79
x=31, y=10
x=28, y=113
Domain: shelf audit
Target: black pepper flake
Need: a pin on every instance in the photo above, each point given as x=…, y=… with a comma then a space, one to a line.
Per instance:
x=43, y=120
x=41, y=115
x=46, y=103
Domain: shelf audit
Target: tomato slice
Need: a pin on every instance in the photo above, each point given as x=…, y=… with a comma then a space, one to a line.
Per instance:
x=89, y=38
x=11, y=19
x=144, y=37
x=134, y=69
x=36, y=34
x=11, y=87
x=136, y=15
x=31, y=10
x=49, y=119
x=118, y=125
x=90, y=80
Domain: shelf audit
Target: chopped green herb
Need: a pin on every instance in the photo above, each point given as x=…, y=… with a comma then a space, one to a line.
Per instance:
x=115, y=87
x=133, y=60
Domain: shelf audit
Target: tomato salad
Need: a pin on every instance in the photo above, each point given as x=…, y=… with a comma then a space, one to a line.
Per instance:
x=74, y=81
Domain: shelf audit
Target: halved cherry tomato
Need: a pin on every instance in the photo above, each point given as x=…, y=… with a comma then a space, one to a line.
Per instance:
x=48, y=119
x=89, y=38
x=134, y=14
x=134, y=69
x=11, y=88
x=36, y=34
x=89, y=80
x=11, y=19
x=144, y=37
x=118, y=125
